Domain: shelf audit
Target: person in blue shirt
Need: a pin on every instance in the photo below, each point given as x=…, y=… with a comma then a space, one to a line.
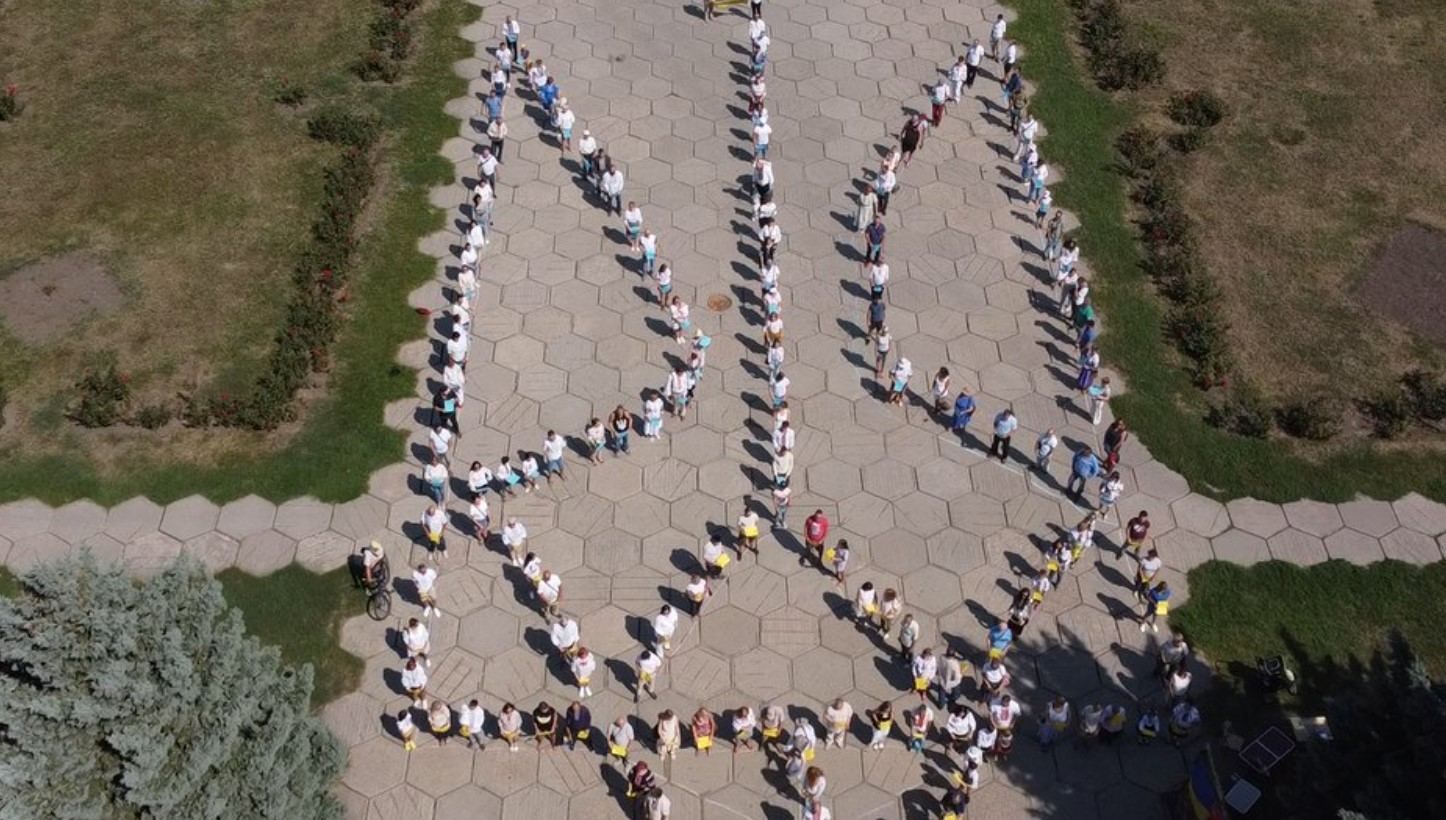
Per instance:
x=1004, y=426
x=494, y=106
x=1086, y=465
x=1156, y=603
x=963, y=411
x=1087, y=335
x=547, y=95
x=1001, y=637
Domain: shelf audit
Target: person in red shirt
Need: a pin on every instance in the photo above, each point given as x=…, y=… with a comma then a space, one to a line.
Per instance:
x=1136, y=531
x=815, y=530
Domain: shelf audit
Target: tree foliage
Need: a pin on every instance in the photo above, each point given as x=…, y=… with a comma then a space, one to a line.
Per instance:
x=147, y=699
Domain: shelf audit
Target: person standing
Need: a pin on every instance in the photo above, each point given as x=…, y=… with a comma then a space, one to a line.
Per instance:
x=881, y=719
x=439, y=720
x=1011, y=56
x=1004, y=426
x=1146, y=573
x=704, y=729
x=899, y=380
x=1156, y=606
x=620, y=741
x=434, y=527
x=566, y=637
x=996, y=36
x=549, y=593
x=762, y=181
x=963, y=411
x=957, y=73
x=665, y=624
x=762, y=133
x=552, y=450
x=1099, y=395
x=545, y=725
x=487, y=168
x=424, y=578
x=587, y=150
x=938, y=98
x=497, y=137
x=1056, y=720
x=511, y=33
x=648, y=665
x=1112, y=488
x=1083, y=468
x=434, y=478
x=973, y=56
x=566, y=119
x=612, y=190
x=884, y=186
x=837, y=718
x=782, y=493
x=414, y=680
x=514, y=538
x=1136, y=530
x=911, y=136
x=473, y=720
x=891, y=607
x=925, y=668
x=874, y=234
x=1044, y=448
x=815, y=530
x=1114, y=441
x=868, y=206
x=652, y=415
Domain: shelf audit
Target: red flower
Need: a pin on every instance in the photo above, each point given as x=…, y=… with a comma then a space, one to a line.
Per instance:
x=11, y=90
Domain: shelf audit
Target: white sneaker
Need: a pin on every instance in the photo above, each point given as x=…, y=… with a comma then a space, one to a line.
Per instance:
x=1142, y=627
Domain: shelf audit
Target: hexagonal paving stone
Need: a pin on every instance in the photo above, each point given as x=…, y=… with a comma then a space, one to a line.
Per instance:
x=189, y=517
x=1421, y=514
x=466, y=803
x=729, y=631
x=1353, y=546
x=213, y=549
x=265, y=552
x=1375, y=518
x=77, y=521
x=324, y=551
x=1256, y=517
x=375, y=766
x=1296, y=547
x=1411, y=546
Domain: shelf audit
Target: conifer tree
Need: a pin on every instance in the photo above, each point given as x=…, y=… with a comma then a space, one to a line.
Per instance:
x=123, y=698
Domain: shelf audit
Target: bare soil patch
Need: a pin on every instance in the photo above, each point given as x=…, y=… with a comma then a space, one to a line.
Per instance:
x=44, y=299
x=1407, y=280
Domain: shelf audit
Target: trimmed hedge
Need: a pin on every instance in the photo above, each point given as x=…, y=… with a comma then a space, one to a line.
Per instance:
x=389, y=40
x=1116, y=57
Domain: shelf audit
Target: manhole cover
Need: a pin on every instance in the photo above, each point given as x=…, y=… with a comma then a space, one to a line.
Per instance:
x=719, y=303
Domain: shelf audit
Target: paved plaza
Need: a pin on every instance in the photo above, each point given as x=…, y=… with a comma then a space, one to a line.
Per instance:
x=566, y=328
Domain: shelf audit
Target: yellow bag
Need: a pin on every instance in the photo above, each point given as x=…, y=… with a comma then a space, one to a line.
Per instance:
x=995, y=654
x=703, y=743
x=584, y=681
x=583, y=734
x=950, y=816
x=808, y=755
x=617, y=751
x=465, y=731
x=434, y=537
x=886, y=726
x=750, y=532
x=772, y=734
x=723, y=561
x=1162, y=608
x=829, y=554
x=1036, y=596
x=921, y=684
x=871, y=609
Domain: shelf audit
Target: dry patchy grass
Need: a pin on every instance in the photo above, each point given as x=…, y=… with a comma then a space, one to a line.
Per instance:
x=151, y=141
x=1331, y=143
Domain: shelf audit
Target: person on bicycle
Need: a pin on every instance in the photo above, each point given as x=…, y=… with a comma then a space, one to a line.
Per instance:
x=373, y=564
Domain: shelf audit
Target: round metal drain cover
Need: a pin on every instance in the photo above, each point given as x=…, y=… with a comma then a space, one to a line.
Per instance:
x=719, y=303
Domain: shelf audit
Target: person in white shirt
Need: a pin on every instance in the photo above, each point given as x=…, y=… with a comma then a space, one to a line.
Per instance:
x=647, y=244
x=434, y=526
x=678, y=388
x=434, y=478
x=715, y=557
x=620, y=740
x=484, y=199
x=474, y=720
x=1011, y=57
x=597, y=440
x=511, y=33
x=479, y=478
x=1028, y=130
x=761, y=135
x=552, y=447
x=836, y=720
x=407, y=730
x=587, y=149
x=565, y=122
x=957, y=73
x=1044, y=448
x=458, y=346
x=878, y=276
x=487, y=167
x=549, y=592
x=899, y=380
x=418, y=641
x=698, y=590
x=656, y=805
x=784, y=438
x=425, y=578
x=775, y=358
x=925, y=668
x=679, y=312
x=972, y=58
x=762, y=181
x=565, y=636
x=996, y=36
x=583, y=665
x=467, y=257
x=652, y=415
x=1004, y=711
x=612, y=188
x=514, y=538
x=779, y=388
x=756, y=29
x=960, y=726
x=414, y=680
x=748, y=529
x=665, y=624
x=481, y=516
x=866, y=603
x=648, y=665
x=455, y=377
x=884, y=185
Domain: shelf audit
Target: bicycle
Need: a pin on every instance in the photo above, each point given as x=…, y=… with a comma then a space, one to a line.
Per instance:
x=378, y=590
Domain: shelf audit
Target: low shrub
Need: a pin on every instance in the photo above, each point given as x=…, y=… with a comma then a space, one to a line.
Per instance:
x=1196, y=109
x=1130, y=69
x=344, y=127
x=1427, y=394
x=103, y=396
x=10, y=104
x=4, y=400
x=1140, y=151
x=389, y=38
x=1316, y=418
x=1390, y=412
x=154, y=416
x=288, y=93
x=1243, y=411
x=1116, y=57
x=1200, y=335
x=1188, y=141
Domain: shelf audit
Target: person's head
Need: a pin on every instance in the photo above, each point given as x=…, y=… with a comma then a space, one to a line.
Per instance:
x=506, y=461
x=890, y=594
x=512, y=522
x=1144, y=515
x=586, y=134
x=551, y=434
x=547, y=575
x=868, y=586
x=908, y=618
x=486, y=151
x=529, y=558
x=1162, y=587
x=524, y=455
x=1087, y=451
x=594, y=422
x=665, y=610
x=403, y=716
x=411, y=664
x=575, y=706
x=1005, y=700
x=680, y=370
x=778, y=377
x=943, y=372
x=544, y=707
x=422, y=567
x=508, y=708
x=927, y=653
x=583, y=653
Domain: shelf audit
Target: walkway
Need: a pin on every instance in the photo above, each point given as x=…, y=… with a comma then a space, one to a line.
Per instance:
x=568, y=330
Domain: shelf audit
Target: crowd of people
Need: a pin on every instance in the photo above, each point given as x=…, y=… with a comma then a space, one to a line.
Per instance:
x=977, y=717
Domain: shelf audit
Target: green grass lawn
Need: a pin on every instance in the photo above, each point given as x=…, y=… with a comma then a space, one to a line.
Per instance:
x=1327, y=620
x=9, y=584
x=301, y=613
x=1161, y=405
x=343, y=439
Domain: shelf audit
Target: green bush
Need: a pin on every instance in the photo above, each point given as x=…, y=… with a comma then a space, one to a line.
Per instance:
x=1116, y=58
x=103, y=396
x=1200, y=334
x=1243, y=411
x=1140, y=151
x=10, y=104
x=342, y=127
x=1196, y=109
x=1188, y=141
x=154, y=416
x=1130, y=69
x=4, y=400
x=1427, y=392
x=288, y=93
x=1316, y=418
x=1390, y=411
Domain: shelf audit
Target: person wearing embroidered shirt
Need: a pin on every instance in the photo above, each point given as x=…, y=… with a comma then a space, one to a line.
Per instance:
x=552, y=448
x=455, y=379
x=565, y=636
x=587, y=149
x=499, y=80
x=762, y=132
x=899, y=380
x=993, y=677
x=1044, y=448
x=487, y=168
x=425, y=578
x=704, y=729
x=565, y=122
x=407, y=730
x=434, y=525
x=837, y=718
x=884, y=187
x=514, y=538
x=1037, y=181
x=878, y=276
x=633, y=225
x=925, y=667
x=665, y=624
x=434, y=477
x=679, y=312
x=583, y=665
x=652, y=415
x=649, y=663
x=532, y=568
x=476, y=235
x=647, y=242
x=549, y=592
x=782, y=467
x=439, y=720
x=779, y=388
x=1177, y=683
x=531, y=471
x=418, y=641
x=1111, y=490
x=1004, y=426
x=1004, y=712
x=996, y=36
x=612, y=189
x=414, y=680
x=678, y=386
x=762, y=179
x=511, y=32
x=577, y=725
x=457, y=345
x=468, y=256
x=509, y=725
x=472, y=718
x=973, y=56
x=921, y=723
x=748, y=529
x=938, y=97
x=960, y=727
x=951, y=676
